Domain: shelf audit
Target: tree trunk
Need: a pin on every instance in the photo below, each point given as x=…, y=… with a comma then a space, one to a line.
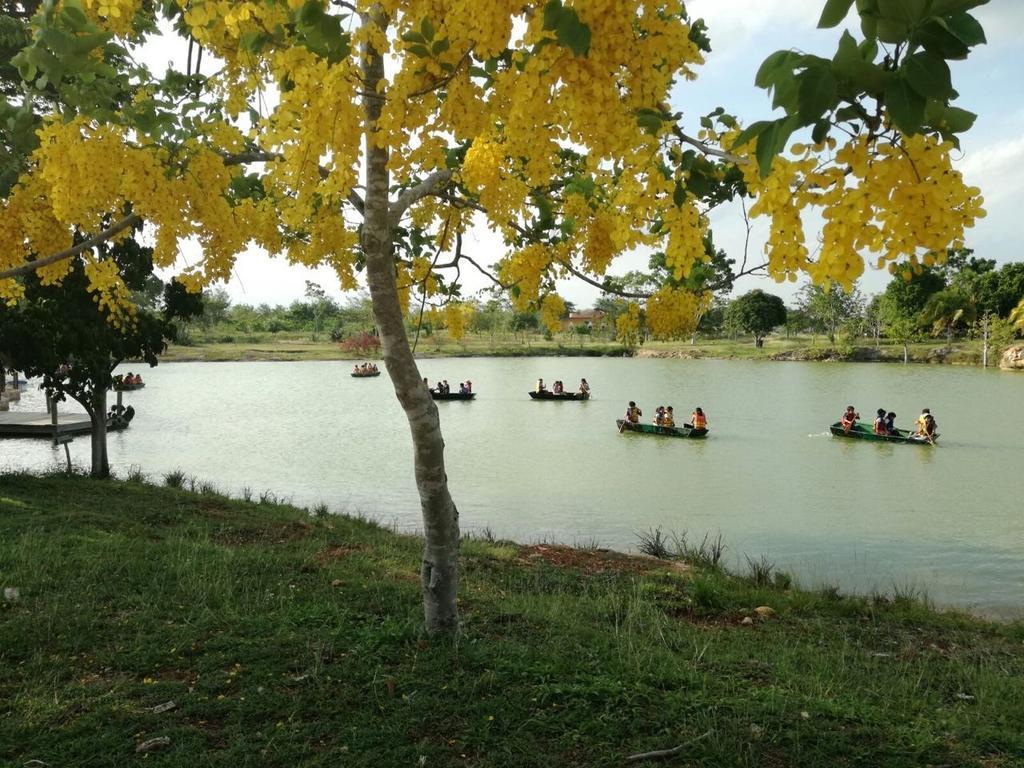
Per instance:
x=758, y=342
x=97, y=410
x=906, y=354
x=439, y=574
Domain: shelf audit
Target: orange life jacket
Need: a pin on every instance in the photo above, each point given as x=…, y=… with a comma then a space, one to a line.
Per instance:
x=700, y=421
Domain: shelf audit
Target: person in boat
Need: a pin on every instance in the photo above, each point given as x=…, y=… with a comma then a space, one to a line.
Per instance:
x=440, y=388
x=697, y=419
x=469, y=387
x=584, y=387
x=849, y=418
x=462, y=388
x=919, y=425
x=633, y=413
x=880, y=428
x=928, y=428
x=659, y=416
x=427, y=384
x=557, y=388
x=540, y=386
x=890, y=423
x=447, y=386
x=668, y=419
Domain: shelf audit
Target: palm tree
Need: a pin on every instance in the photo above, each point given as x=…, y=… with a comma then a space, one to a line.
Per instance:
x=945, y=309
x=1017, y=316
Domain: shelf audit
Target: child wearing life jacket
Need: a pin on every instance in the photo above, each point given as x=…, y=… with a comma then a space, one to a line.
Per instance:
x=880, y=428
x=890, y=423
x=698, y=419
x=668, y=419
x=659, y=416
x=633, y=413
x=849, y=418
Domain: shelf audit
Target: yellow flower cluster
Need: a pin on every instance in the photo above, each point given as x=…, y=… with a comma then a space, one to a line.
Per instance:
x=552, y=307
x=113, y=15
x=627, y=325
x=110, y=293
x=673, y=313
x=525, y=269
x=456, y=317
x=891, y=199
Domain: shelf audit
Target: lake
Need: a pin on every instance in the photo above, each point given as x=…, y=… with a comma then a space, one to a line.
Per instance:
x=769, y=478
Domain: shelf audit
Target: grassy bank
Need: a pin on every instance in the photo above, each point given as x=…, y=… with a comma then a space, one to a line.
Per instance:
x=285, y=347
x=285, y=639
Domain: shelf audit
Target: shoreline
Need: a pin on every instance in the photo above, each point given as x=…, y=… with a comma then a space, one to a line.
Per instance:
x=926, y=354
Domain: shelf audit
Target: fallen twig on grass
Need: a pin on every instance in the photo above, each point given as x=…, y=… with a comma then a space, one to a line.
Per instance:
x=660, y=753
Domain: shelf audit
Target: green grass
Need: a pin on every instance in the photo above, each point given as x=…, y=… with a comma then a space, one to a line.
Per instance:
x=288, y=639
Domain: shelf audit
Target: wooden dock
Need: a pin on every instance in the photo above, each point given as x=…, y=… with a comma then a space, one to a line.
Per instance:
x=40, y=424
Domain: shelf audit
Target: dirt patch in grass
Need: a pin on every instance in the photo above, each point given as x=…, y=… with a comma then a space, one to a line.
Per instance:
x=337, y=552
x=595, y=560
x=282, y=533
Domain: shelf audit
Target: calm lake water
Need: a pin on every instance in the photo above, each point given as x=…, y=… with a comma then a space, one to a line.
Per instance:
x=769, y=477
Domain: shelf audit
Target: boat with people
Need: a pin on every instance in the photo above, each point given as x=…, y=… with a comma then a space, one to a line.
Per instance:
x=452, y=395
x=549, y=395
x=559, y=392
x=365, y=371
x=653, y=429
x=861, y=430
x=128, y=382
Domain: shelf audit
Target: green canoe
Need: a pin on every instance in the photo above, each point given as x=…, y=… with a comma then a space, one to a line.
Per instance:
x=862, y=430
x=651, y=429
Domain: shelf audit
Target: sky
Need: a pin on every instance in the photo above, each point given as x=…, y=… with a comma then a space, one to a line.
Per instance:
x=743, y=33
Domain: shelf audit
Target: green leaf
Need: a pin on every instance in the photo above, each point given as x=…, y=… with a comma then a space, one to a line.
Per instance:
x=310, y=12
x=820, y=132
x=905, y=105
x=413, y=37
x=936, y=38
x=552, y=15
x=427, y=29
x=848, y=57
x=74, y=16
x=572, y=33
x=948, y=7
x=929, y=75
x=834, y=13
x=679, y=194
x=906, y=12
x=869, y=27
x=752, y=131
x=892, y=31
x=772, y=141
x=947, y=118
x=966, y=28
x=817, y=92
x=440, y=46
x=419, y=50
x=775, y=66
x=650, y=121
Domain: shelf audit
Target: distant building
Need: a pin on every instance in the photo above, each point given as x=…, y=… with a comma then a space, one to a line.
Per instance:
x=591, y=318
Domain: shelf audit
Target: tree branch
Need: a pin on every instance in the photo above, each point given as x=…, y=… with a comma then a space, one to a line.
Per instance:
x=256, y=156
x=705, y=149
x=446, y=79
x=426, y=187
x=126, y=223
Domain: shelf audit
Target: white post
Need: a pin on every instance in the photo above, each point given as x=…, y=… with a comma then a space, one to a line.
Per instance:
x=984, y=336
